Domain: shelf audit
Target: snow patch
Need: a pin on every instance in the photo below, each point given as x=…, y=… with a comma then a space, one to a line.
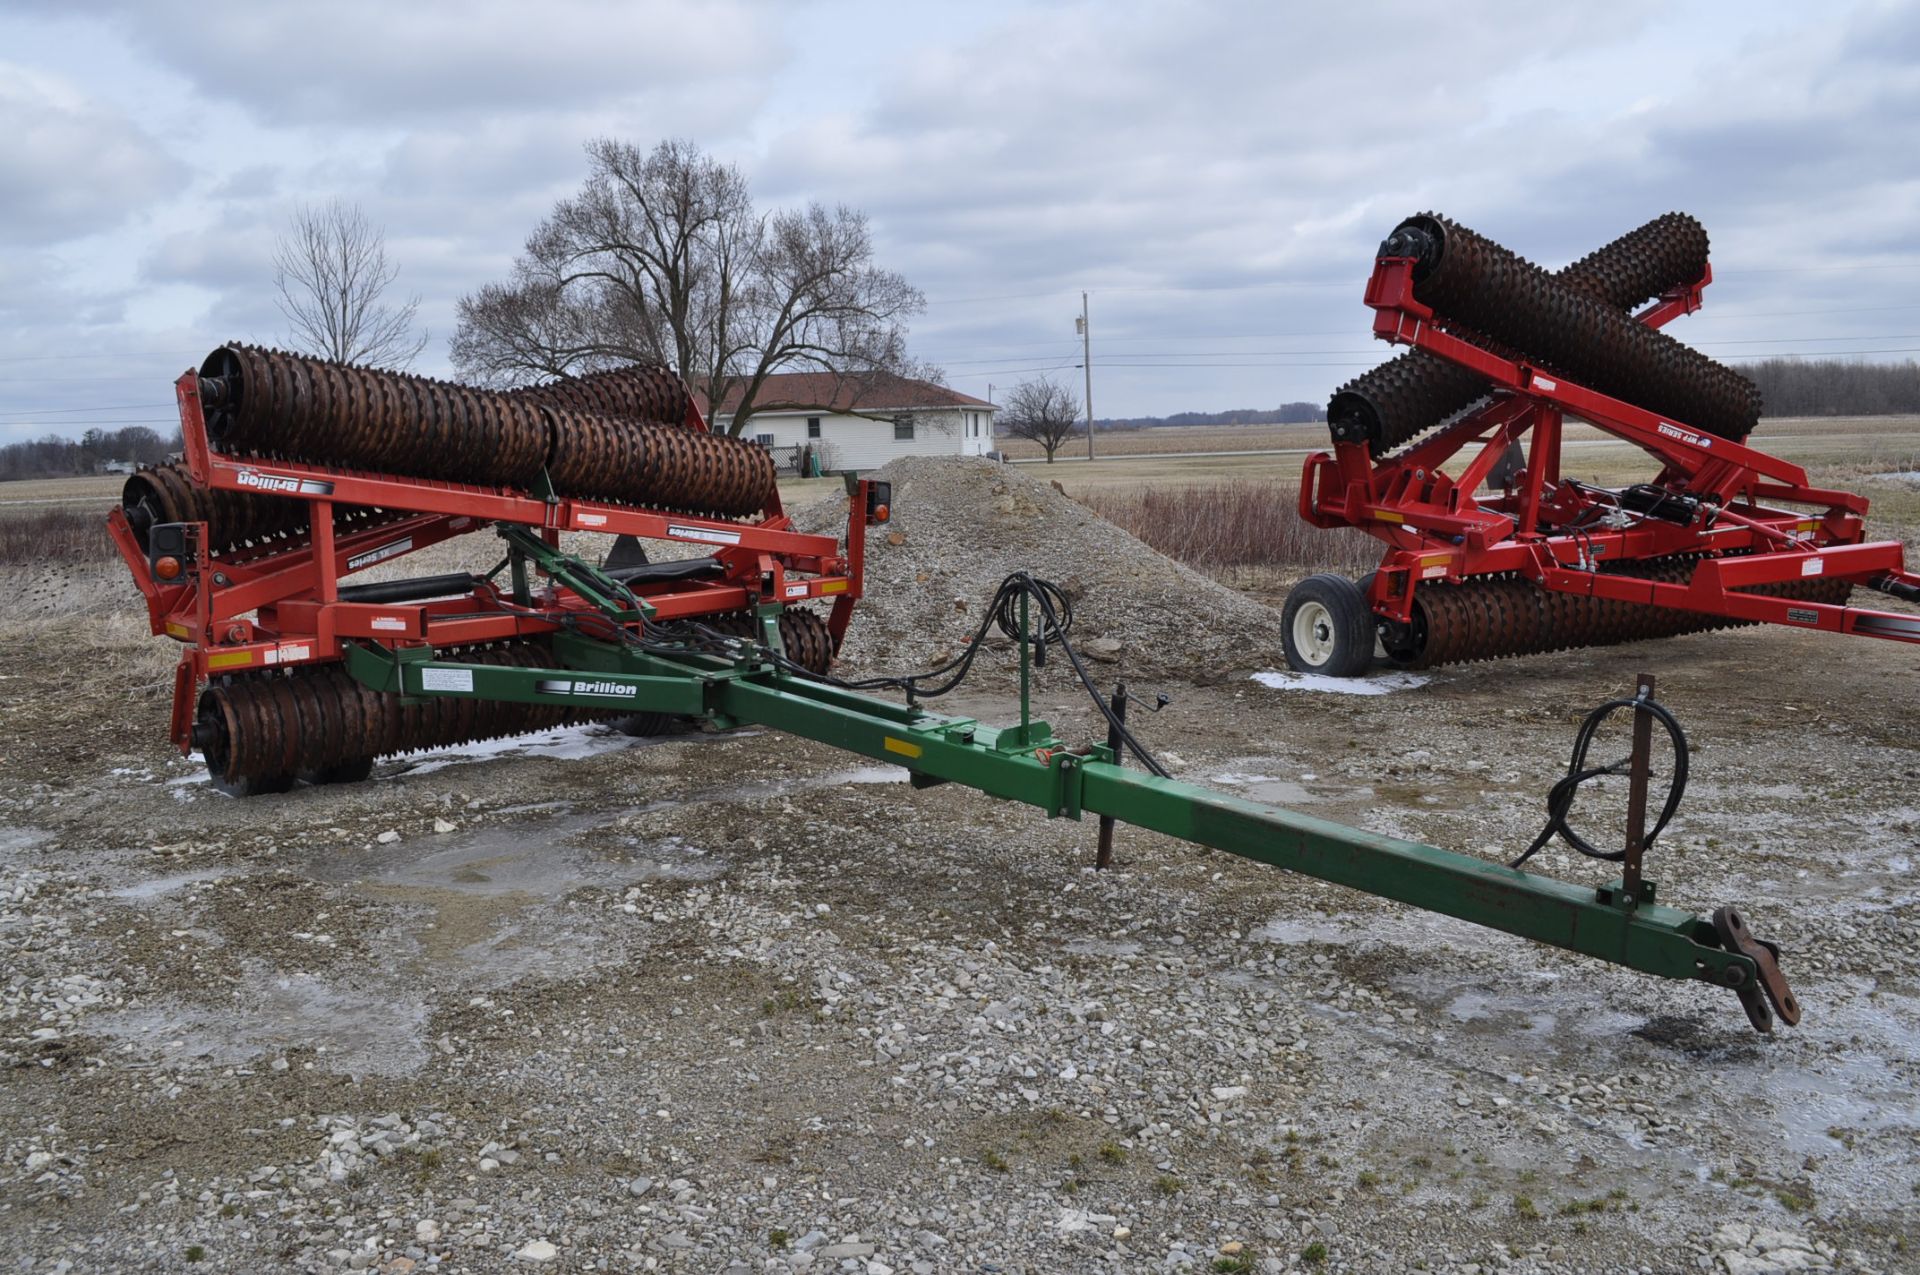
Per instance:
x=1378, y=684
x=572, y=743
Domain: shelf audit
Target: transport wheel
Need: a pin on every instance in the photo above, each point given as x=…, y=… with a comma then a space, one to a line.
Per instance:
x=1327, y=628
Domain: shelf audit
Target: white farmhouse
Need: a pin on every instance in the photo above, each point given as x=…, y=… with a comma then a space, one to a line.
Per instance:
x=834, y=422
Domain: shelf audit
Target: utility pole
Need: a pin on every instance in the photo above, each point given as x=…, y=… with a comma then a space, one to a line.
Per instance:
x=1086, y=361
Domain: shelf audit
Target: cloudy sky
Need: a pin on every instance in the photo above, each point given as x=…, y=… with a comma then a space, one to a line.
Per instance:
x=1216, y=175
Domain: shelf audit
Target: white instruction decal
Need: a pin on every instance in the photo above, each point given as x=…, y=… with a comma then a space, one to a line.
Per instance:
x=371, y=556
x=1813, y=567
x=446, y=679
x=709, y=534
x=389, y=623
x=796, y=590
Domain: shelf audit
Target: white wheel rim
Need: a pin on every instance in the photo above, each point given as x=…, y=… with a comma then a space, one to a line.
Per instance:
x=1313, y=637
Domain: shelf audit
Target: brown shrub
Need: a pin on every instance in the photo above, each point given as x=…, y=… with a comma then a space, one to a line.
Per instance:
x=1234, y=524
x=56, y=533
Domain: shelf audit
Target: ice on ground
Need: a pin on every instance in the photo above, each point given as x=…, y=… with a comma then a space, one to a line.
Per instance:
x=869, y=775
x=569, y=743
x=1378, y=684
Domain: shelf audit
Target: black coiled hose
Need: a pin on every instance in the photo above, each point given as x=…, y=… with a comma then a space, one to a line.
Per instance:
x=1560, y=796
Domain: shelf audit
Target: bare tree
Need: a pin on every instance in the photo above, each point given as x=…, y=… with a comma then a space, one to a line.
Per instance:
x=661, y=257
x=1042, y=412
x=332, y=271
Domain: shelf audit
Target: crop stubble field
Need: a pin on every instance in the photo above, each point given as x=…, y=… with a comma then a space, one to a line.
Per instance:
x=735, y=1001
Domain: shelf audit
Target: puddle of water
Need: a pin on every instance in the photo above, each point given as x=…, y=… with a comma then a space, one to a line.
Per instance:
x=1847, y=1067
x=1275, y=791
x=515, y=951
x=534, y=807
x=156, y=887
x=1422, y=932
x=1103, y=947
x=535, y=859
x=1295, y=931
x=362, y=1032
x=1376, y=684
x=17, y=841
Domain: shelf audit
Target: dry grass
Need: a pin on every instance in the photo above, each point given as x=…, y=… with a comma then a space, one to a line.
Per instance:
x=1234, y=524
x=54, y=533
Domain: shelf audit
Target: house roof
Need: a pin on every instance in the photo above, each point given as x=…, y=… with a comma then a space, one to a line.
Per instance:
x=881, y=392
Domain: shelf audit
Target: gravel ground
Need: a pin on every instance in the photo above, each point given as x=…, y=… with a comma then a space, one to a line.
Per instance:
x=739, y=1002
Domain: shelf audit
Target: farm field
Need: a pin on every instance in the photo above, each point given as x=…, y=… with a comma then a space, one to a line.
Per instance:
x=1857, y=444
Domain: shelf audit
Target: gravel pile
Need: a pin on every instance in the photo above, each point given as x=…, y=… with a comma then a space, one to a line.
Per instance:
x=960, y=524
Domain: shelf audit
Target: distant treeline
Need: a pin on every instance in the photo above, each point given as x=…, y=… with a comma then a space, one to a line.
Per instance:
x=57, y=457
x=1285, y=414
x=1836, y=387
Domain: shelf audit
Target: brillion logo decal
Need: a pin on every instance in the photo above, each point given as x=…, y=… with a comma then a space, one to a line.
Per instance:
x=569, y=686
x=282, y=482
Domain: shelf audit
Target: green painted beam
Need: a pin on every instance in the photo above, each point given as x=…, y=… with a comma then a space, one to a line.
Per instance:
x=1658, y=940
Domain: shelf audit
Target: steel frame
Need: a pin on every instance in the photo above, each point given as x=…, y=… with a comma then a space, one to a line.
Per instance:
x=279, y=605
x=1442, y=527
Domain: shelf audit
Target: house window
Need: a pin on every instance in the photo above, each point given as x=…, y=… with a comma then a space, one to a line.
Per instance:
x=813, y=427
x=902, y=429
x=765, y=440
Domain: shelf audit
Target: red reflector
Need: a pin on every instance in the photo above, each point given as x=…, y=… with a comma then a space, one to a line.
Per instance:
x=881, y=513
x=166, y=568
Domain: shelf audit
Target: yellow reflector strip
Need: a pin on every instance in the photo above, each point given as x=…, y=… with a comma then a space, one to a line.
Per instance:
x=1810, y=525
x=177, y=630
x=1436, y=559
x=902, y=747
x=230, y=659
x=833, y=586
x=1387, y=515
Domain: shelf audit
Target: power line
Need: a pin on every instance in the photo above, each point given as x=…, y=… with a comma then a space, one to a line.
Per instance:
x=97, y=354
x=1198, y=354
x=70, y=411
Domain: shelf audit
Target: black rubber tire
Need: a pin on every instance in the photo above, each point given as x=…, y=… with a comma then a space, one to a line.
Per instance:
x=1335, y=626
